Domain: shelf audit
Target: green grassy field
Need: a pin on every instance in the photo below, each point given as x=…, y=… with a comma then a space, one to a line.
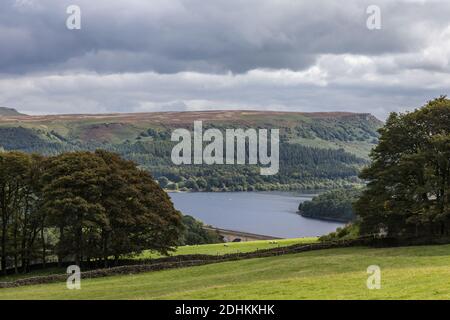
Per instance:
x=210, y=249
x=406, y=273
x=231, y=247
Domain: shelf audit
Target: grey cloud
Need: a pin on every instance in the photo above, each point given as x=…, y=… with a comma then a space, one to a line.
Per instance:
x=205, y=36
x=94, y=93
x=140, y=55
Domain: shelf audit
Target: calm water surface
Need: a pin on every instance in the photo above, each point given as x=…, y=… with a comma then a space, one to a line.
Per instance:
x=267, y=213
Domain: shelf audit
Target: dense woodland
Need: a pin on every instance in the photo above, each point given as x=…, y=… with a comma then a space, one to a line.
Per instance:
x=301, y=167
x=408, y=190
x=336, y=205
x=307, y=160
x=81, y=207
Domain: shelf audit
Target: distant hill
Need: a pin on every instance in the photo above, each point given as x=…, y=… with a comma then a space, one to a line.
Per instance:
x=9, y=112
x=317, y=150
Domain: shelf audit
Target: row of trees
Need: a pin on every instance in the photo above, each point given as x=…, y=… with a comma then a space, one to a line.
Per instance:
x=408, y=191
x=81, y=206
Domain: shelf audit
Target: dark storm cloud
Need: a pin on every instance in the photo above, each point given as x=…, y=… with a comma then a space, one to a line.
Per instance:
x=204, y=36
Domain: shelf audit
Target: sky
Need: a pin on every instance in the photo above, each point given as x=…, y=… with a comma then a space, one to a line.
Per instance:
x=179, y=55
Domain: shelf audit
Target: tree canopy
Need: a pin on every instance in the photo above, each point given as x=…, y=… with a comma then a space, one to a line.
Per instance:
x=95, y=204
x=408, y=192
x=335, y=205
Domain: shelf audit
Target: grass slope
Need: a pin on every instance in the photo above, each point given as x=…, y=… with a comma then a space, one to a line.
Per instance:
x=231, y=247
x=407, y=273
x=210, y=249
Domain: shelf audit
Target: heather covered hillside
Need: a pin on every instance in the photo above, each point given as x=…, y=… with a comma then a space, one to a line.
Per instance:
x=317, y=150
x=6, y=112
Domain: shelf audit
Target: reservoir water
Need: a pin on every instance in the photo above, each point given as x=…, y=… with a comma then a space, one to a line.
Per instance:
x=266, y=213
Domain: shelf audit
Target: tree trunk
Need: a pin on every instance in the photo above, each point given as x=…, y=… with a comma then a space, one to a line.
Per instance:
x=105, y=249
x=4, y=227
x=79, y=253
x=16, y=256
x=3, y=260
x=43, y=247
x=16, y=263
x=61, y=239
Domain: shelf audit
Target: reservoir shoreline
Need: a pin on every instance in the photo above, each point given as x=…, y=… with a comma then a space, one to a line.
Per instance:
x=274, y=214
